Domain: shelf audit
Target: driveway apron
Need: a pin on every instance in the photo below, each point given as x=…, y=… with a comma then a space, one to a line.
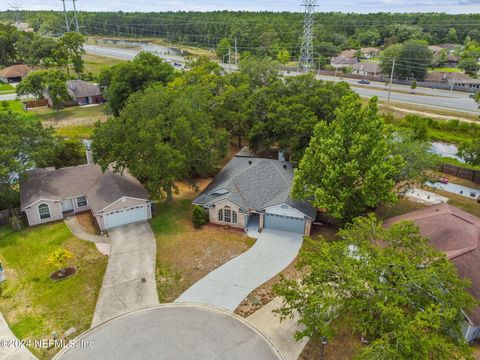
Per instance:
x=228, y=285
x=129, y=281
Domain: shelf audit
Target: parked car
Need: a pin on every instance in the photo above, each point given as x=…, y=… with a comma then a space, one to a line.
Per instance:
x=363, y=81
x=443, y=180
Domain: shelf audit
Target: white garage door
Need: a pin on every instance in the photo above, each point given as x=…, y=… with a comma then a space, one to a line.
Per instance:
x=125, y=216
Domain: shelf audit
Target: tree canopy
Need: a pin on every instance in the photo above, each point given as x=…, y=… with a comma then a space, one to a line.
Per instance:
x=348, y=167
x=122, y=80
x=401, y=295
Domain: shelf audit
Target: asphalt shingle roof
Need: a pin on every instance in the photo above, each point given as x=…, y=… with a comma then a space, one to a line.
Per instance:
x=101, y=188
x=254, y=183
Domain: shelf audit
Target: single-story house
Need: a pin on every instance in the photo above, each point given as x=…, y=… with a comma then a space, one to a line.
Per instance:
x=351, y=53
x=84, y=93
x=458, y=80
x=367, y=69
x=255, y=192
x=435, y=49
x=342, y=61
x=14, y=73
x=452, y=59
x=49, y=195
x=450, y=47
x=457, y=234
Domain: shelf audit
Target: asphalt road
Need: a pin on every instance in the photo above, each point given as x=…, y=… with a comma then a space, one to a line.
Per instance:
x=429, y=98
x=177, y=332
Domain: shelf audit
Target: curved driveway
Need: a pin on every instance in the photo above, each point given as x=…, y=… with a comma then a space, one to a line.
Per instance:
x=228, y=285
x=173, y=332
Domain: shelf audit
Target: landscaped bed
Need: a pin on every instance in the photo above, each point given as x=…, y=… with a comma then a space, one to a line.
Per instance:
x=185, y=254
x=33, y=304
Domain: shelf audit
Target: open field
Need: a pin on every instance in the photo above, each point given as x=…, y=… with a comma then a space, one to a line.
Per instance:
x=185, y=254
x=95, y=64
x=34, y=305
x=6, y=89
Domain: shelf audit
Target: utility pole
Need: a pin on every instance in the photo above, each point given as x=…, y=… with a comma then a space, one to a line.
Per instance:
x=391, y=80
x=229, y=60
x=305, y=63
x=75, y=17
x=236, y=51
x=67, y=21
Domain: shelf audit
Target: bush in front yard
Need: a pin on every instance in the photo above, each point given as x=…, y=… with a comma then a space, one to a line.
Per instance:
x=200, y=217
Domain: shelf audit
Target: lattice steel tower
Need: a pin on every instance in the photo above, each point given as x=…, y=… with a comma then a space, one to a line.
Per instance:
x=306, y=53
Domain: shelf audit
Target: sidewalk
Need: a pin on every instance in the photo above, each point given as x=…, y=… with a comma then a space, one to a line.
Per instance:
x=10, y=350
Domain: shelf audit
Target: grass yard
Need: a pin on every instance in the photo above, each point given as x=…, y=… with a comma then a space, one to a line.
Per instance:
x=402, y=206
x=95, y=64
x=34, y=305
x=185, y=254
x=447, y=70
x=6, y=88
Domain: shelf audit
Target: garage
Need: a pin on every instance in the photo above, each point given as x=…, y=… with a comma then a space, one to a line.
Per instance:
x=284, y=223
x=125, y=216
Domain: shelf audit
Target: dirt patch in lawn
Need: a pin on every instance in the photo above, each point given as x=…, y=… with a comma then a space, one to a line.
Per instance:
x=74, y=121
x=185, y=254
x=88, y=223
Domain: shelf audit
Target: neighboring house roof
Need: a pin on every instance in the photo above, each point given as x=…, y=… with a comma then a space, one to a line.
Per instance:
x=101, y=188
x=456, y=233
x=435, y=49
x=15, y=71
x=348, y=53
x=369, y=67
x=370, y=50
x=79, y=88
x=342, y=60
x=254, y=184
x=453, y=58
x=449, y=47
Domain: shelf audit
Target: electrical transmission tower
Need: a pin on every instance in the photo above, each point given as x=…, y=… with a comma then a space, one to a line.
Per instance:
x=306, y=53
x=71, y=21
x=16, y=8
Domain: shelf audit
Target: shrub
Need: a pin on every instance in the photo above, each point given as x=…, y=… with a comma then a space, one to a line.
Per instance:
x=59, y=258
x=200, y=217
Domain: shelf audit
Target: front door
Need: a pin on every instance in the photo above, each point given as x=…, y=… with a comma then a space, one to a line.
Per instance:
x=67, y=205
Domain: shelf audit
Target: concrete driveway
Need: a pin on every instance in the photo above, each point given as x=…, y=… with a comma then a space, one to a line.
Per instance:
x=129, y=281
x=173, y=331
x=228, y=285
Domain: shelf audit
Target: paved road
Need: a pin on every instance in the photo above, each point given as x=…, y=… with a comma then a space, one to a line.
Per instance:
x=431, y=98
x=228, y=285
x=180, y=332
x=132, y=258
x=12, y=351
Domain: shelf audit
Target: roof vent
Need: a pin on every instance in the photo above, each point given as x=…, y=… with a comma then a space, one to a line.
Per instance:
x=250, y=162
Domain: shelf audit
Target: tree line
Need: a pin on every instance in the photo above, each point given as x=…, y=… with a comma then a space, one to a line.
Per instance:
x=266, y=33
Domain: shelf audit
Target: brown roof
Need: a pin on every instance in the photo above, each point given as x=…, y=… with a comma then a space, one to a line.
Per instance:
x=348, y=53
x=79, y=88
x=15, y=71
x=370, y=50
x=101, y=189
x=457, y=77
x=456, y=233
x=342, y=60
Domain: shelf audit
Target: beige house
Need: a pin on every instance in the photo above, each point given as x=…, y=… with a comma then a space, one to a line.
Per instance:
x=367, y=69
x=253, y=192
x=49, y=195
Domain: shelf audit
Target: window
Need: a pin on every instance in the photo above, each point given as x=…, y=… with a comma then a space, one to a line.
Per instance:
x=227, y=214
x=234, y=217
x=44, y=211
x=220, y=215
x=81, y=201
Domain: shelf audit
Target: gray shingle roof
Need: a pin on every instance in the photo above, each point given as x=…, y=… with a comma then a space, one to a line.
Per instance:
x=101, y=188
x=80, y=88
x=254, y=184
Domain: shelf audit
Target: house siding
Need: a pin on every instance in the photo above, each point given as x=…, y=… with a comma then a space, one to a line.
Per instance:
x=213, y=214
x=33, y=217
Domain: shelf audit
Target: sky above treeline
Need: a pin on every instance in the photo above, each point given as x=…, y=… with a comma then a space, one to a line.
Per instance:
x=364, y=6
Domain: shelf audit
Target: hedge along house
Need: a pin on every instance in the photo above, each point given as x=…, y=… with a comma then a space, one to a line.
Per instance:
x=255, y=192
x=49, y=195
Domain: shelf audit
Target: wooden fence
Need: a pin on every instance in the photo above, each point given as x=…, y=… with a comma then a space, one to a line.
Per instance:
x=461, y=172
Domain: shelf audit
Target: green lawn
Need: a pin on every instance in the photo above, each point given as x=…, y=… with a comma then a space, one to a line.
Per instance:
x=34, y=305
x=447, y=69
x=70, y=113
x=75, y=131
x=95, y=64
x=6, y=88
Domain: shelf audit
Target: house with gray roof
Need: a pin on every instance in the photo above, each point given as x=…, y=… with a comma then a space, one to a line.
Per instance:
x=83, y=92
x=49, y=195
x=251, y=191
